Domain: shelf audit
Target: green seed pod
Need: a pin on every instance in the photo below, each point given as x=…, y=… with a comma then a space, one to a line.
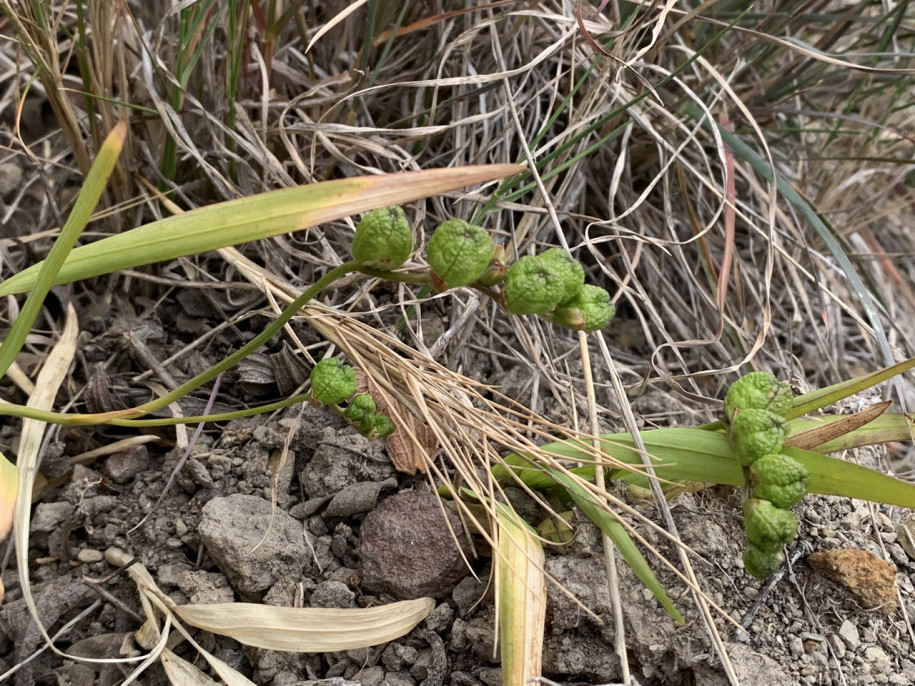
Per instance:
x=588, y=310
x=332, y=382
x=768, y=528
x=570, y=269
x=755, y=433
x=458, y=253
x=758, y=391
x=360, y=409
x=760, y=564
x=780, y=479
x=383, y=239
x=533, y=286
x=382, y=426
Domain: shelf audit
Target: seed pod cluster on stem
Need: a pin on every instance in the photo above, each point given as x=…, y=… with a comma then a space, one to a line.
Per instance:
x=332, y=382
x=755, y=413
x=551, y=284
x=383, y=239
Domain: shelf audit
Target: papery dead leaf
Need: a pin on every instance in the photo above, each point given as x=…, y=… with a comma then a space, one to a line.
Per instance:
x=808, y=439
x=413, y=443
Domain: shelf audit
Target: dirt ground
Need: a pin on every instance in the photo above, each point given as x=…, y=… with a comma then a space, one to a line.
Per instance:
x=215, y=537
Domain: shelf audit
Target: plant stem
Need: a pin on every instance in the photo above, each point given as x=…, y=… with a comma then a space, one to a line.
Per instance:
x=272, y=329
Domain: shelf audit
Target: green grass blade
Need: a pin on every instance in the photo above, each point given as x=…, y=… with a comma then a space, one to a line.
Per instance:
x=259, y=216
x=611, y=526
x=691, y=454
x=822, y=397
x=47, y=272
x=686, y=454
x=885, y=429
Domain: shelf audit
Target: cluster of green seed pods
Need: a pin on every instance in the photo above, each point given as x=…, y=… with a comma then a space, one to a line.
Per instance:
x=755, y=409
x=333, y=382
x=551, y=284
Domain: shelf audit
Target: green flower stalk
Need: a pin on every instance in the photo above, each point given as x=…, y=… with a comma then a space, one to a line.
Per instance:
x=533, y=286
x=459, y=254
x=332, y=382
x=769, y=528
x=780, y=479
x=589, y=309
x=383, y=239
x=755, y=433
x=758, y=391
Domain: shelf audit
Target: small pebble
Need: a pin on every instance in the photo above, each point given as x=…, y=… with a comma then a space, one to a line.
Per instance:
x=837, y=645
x=876, y=654
x=849, y=634
x=88, y=556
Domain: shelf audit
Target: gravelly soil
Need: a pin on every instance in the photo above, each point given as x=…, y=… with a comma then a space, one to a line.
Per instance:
x=216, y=537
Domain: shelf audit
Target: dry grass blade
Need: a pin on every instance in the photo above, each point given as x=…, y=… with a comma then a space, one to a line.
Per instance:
x=521, y=599
x=305, y=630
x=308, y=629
x=53, y=372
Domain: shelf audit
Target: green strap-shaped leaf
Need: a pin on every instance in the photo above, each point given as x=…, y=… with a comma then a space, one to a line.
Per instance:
x=691, y=454
x=247, y=219
x=611, y=526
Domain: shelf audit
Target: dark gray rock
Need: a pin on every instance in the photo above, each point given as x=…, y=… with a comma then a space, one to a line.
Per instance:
x=587, y=657
x=333, y=594
x=125, y=465
x=205, y=588
x=408, y=550
x=357, y=498
x=342, y=461
x=49, y=516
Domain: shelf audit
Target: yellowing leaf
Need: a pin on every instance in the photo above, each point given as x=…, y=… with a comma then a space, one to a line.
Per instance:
x=521, y=596
x=9, y=487
x=259, y=216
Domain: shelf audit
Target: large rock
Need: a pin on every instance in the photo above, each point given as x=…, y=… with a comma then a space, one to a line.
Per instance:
x=408, y=550
x=253, y=544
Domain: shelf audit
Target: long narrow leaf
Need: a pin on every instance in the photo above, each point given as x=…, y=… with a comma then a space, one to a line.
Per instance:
x=521, y=599
x=815, y=400
x=259, y=216
x=46, y=273
x=690, y=454
x=811, y=433
x=887, y=428
x=611, y=526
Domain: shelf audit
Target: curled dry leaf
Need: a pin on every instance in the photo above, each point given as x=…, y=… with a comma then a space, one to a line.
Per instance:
x=407, y=454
